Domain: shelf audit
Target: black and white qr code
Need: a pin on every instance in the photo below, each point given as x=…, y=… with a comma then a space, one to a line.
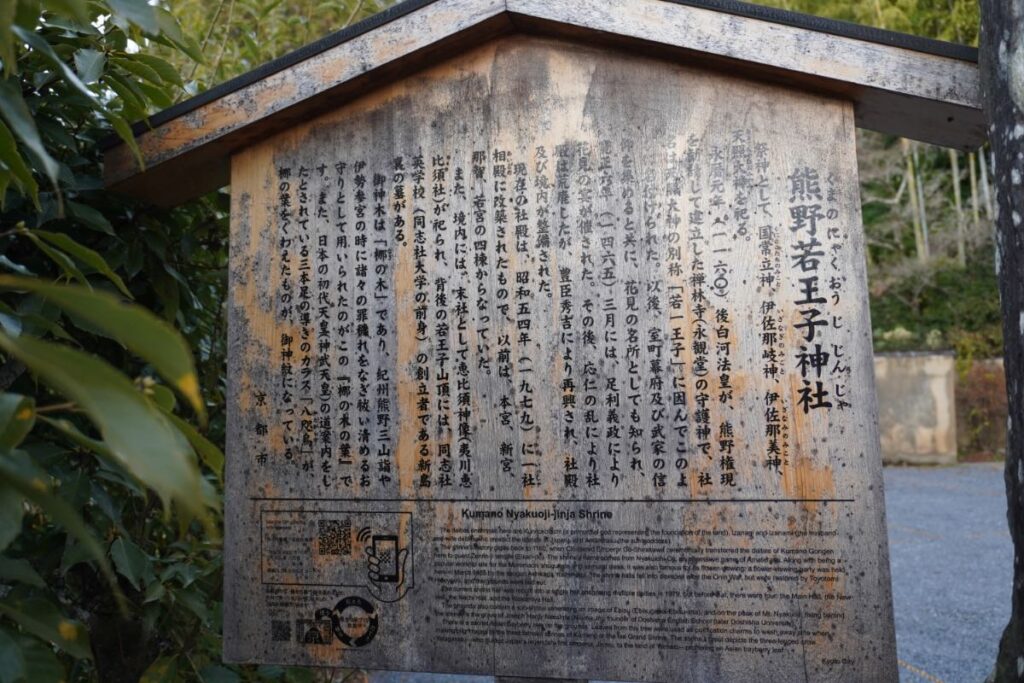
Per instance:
x=280, y=630
x=335, y=536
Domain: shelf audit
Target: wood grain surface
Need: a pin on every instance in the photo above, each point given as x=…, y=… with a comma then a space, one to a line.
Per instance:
x=554, y=362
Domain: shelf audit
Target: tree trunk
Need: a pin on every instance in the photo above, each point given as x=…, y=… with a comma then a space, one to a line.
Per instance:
x=1002, y=63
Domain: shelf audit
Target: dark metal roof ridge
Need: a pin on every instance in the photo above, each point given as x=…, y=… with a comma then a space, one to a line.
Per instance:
x=836, y=27
x=744, y=9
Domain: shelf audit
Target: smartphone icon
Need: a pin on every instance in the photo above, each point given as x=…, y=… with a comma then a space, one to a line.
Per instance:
x=385, y=549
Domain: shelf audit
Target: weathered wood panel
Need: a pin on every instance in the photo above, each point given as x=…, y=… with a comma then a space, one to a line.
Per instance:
x=539, y=369
x=896, y=90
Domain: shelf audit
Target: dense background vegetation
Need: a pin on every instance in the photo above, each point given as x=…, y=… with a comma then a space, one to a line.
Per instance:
x=111, y=413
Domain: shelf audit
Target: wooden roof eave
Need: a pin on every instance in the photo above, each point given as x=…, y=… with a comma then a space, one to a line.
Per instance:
x=899, y=84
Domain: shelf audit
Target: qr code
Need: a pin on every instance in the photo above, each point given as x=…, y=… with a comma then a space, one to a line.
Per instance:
x=280, y=630
x=335, y=536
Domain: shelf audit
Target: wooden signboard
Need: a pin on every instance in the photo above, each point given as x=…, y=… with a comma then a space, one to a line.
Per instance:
x=549, y=348
x=555, y=361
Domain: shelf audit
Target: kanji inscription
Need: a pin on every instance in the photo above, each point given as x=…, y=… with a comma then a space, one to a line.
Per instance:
x=553, y=361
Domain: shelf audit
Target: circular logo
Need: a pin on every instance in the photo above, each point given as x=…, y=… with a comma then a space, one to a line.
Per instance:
x=354, y=621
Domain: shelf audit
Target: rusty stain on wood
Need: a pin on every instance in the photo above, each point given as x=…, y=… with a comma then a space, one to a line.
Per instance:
x=553, y=361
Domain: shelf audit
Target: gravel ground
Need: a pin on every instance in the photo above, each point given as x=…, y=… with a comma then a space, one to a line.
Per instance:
x=951, y=566
x=951, y=559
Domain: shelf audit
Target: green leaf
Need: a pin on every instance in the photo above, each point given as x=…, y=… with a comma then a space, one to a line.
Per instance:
x=107, y=456
x=5, y=181
x=51, y=206
x=171, y=29
x=135, y=431
x=163, y=670
x=12, y=662
x=163, y=397
x=74, y=554
x=215, y=673
x=12, y=509
x=194, y=602
x=167, y=72
x=102, y=499
x=132, y=100
x=89, y=217
x=299, y=675
x=124, y=131
x=12, y=159
x=272, y=671
x=169, y=26
x=37, y=325
x=72, y=9
x=90, y=64
x=19, y=118
x=86, y=255
x=166, y=287
x=69, y=25
x=41, y=663
x=156, y=94
x=140, y=331
x=20, y=474
x=18, y=569
x=63, y=261
x=131, y=562
x=8, y=9
x=39, y=44
x=41, y=618
x=27, y=13
x=208, y=452
x=139, y=12
x=143, y=71
x=185, y=572
x=14, y=267
x=17, y=417
x=155, y=591
x=10, y=323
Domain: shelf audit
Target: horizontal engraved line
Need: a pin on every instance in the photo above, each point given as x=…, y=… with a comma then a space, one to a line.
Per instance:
x=559, y=500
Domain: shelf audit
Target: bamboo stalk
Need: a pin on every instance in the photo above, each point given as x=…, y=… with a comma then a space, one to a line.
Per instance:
x=975, y=218
x=897, y=226
x=986, y=194
x=961, y=240
x=915, y=214
x=920, y=203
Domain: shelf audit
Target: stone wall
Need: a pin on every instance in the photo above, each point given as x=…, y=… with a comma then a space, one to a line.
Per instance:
x=916, y=407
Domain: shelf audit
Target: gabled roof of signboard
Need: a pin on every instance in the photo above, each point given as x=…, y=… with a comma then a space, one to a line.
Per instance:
x=900, y=84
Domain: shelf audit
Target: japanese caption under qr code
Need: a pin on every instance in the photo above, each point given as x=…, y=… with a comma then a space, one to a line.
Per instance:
x=335, y=536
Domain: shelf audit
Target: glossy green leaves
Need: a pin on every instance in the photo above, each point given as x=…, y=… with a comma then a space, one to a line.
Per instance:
x=133, y=428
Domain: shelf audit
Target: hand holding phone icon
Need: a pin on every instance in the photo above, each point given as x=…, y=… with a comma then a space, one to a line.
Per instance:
x=384, y=559
x=386, y=567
